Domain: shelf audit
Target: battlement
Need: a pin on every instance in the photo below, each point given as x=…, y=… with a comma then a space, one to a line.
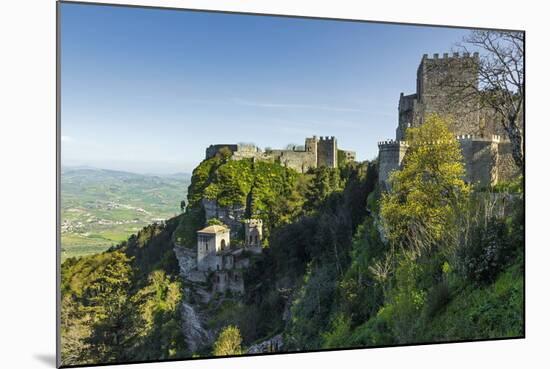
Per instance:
x=317, y=152
x=388, y=144
x=391, y=143
x=493, y=138
x=253, y=222
x=455, y=55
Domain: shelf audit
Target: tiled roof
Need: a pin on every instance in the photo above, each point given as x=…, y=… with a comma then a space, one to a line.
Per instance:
x=214, y=229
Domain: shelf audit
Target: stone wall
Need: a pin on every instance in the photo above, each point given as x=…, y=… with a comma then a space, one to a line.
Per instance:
x=487, y=156
x=300, y=161
x=228, y=280
x=317, y=152
x=212, y=150
x=231, y=216
x=480, y=159
x=486, y=160
x=507, y=168
x=390, y=157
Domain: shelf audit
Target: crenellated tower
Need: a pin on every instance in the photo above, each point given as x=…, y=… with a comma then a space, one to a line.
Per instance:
x=441, y=83
x=327, y=152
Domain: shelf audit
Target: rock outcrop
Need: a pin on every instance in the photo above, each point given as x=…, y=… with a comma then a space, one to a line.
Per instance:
x=274, y=344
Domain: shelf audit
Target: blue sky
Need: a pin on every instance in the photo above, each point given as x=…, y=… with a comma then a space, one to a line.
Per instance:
x=148, y=90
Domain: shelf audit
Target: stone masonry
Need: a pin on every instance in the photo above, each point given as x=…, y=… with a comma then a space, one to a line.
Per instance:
x=317, y=152
x=486, y=152
x=224, y=261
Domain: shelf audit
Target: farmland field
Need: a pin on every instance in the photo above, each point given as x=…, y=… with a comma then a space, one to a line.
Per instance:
x=100, y=208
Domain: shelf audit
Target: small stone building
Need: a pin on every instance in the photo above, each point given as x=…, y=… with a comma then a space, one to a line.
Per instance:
x=210, y=242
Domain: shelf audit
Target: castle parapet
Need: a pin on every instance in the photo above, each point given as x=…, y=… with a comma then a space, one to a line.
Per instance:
x=493, y=138
x=454, y=55
x=391, y=143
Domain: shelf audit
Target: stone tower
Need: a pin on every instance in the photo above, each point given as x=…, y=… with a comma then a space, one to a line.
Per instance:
x=390, y=157
x=327, y=152
x=253, y=233
x=210, y=241
x=440, y=82
x=311, y=145
x=440, y=86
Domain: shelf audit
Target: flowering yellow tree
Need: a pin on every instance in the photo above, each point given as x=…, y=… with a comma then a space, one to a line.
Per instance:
x=427, y=194
x=228, y=342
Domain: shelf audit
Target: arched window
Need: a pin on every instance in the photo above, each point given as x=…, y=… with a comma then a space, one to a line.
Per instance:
x=223, y=244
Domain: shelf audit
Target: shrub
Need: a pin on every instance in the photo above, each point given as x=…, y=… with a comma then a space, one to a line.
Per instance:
x=487, y=253
x=438, y=297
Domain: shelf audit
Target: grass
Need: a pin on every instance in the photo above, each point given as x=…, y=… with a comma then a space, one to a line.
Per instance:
x=482, y=312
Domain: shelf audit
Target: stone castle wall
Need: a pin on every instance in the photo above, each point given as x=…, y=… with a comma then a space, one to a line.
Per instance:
x=487, y=155
x=486, y=160
x=317, y=152
x=300, y=161
x=390, y=157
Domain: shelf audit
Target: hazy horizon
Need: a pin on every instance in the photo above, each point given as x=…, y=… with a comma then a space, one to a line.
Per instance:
x=147, y=90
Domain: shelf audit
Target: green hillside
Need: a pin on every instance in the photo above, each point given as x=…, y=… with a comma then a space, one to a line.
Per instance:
x=100, y=208
x=344, y=264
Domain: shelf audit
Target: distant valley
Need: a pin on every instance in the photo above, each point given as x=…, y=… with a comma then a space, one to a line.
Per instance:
x=100, y=208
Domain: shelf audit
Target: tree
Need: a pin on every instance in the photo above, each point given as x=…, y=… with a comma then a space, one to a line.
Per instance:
x=182, y=205
x=502, y=79
x=228, y=342
x=214, y=221
x=324, y=182
x=500, y=86
x=427, y=193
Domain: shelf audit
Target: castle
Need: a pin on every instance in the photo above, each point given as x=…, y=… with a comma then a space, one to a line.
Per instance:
x=216, y=254
x=317, y=152
x=487, y=154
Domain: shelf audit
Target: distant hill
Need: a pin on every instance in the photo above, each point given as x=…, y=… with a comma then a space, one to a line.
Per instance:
x=101, y=207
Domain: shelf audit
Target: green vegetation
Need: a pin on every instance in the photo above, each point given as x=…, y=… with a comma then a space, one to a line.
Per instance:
x=266, y=190
x=451, y=267
x=101, y=208
x=345, y=265
x=123, y=304
x=428, y=193
x=228, y=342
